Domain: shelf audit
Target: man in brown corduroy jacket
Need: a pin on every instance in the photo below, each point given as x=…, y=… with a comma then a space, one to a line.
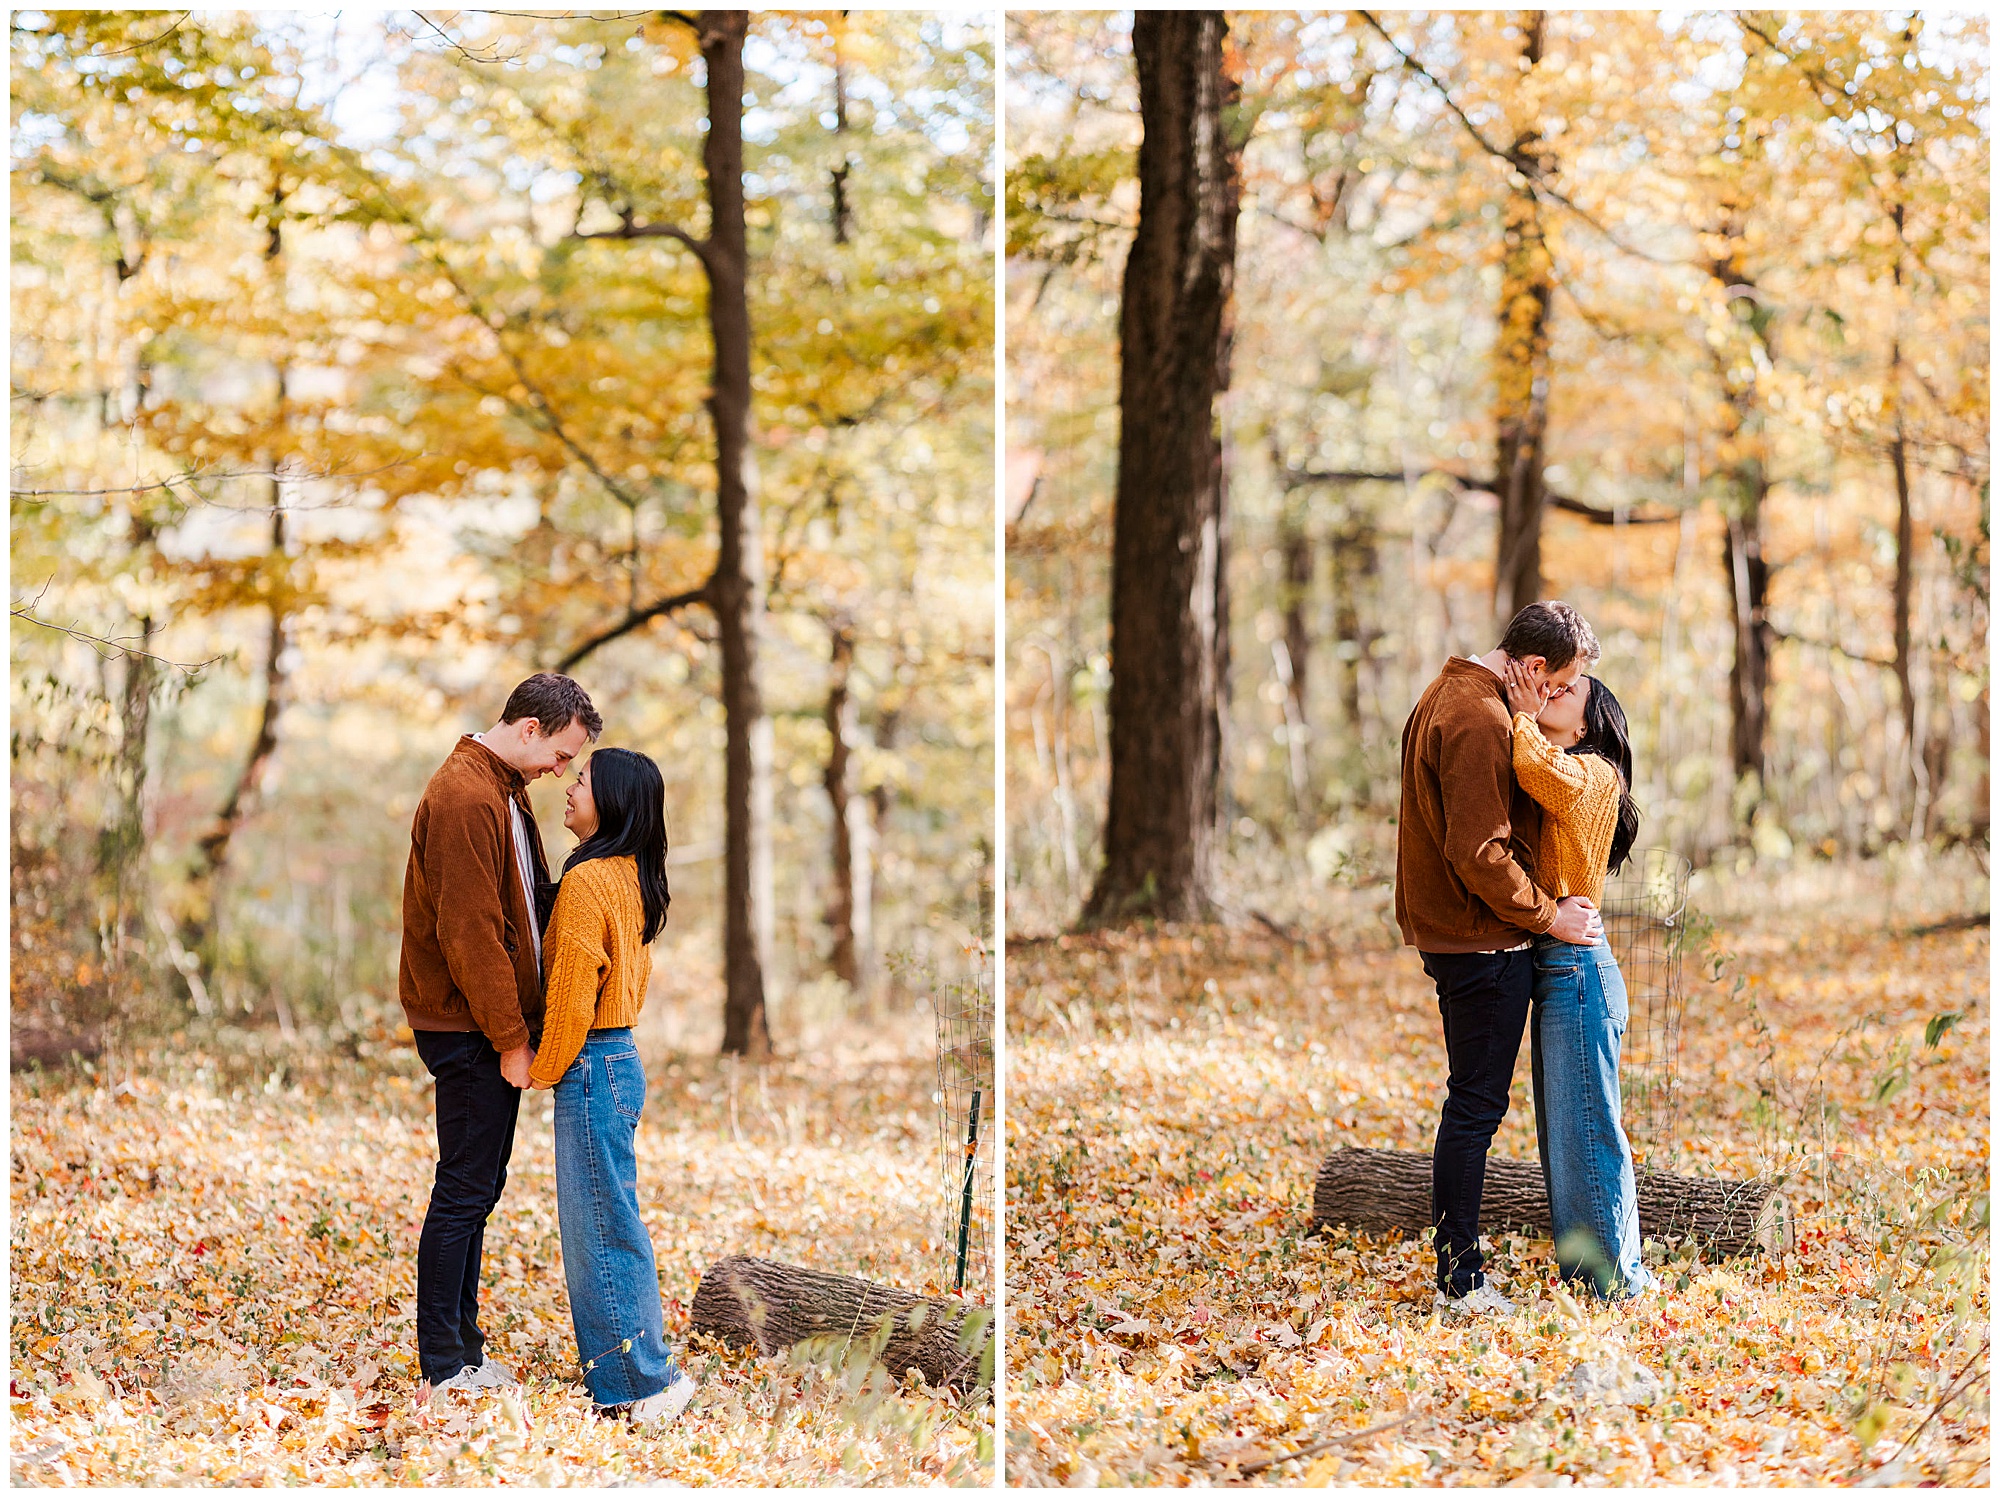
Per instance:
x=1466, y=900
x=471, y=987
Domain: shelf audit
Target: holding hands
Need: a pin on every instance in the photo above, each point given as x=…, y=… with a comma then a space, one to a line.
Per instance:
x=514, y=1065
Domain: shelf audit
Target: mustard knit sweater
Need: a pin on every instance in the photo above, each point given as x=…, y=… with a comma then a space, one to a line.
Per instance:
x=1580, y=793
x=597, y=966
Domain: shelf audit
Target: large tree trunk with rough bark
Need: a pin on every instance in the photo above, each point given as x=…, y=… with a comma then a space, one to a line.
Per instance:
x=1521, y=364
x=736, y=590
x=1167, y=629
x=1385, y=1191
x=761, y=1303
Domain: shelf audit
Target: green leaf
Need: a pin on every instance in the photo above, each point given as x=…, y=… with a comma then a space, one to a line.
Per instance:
x=1939, y=1025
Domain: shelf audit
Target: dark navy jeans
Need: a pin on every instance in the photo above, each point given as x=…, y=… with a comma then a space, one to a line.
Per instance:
x=1483, y=999
x=476, y=1110
x=614, y=1283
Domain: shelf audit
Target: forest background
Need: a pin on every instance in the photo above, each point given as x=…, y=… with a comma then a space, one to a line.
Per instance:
x=363, y=364
x=364, y=370
x=1396, y=321
x=1723, y=276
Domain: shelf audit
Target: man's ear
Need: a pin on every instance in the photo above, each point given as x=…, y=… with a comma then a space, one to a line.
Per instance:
x=1537, y=663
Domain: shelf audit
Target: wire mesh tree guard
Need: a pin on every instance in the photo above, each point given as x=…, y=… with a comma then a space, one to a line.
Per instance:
x=1646, y=922
x=967, y=1118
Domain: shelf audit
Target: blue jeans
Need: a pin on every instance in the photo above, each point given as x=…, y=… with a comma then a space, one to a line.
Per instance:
x=1579, y=1025
x=614, y=1285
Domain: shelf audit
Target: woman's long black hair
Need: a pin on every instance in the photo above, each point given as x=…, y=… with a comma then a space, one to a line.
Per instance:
x=631, y=802
x=1606, y=735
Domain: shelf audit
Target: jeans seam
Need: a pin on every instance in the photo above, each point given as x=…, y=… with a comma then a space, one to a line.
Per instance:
x=605, y=1285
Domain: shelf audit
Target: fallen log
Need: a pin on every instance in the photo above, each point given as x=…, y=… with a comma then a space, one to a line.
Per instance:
x=1381, y=1191
x=761, y=1303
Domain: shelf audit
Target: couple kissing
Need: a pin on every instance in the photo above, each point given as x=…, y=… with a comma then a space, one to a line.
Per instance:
x=1516, y=803
x=512, y=981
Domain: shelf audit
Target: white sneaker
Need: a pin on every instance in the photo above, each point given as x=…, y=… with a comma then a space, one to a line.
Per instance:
x=462, y=1382
x=1485, y=1301
x=666, y=1406
x=488, y=1374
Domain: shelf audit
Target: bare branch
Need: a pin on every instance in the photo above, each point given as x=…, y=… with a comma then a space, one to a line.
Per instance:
x=633, y=620
x=538, y=404
x=1539, y=189
x=633, y=230
x=101, y=644
x=460, y=47
x=151, y=41
x=191, y=479
x=1860, y=657
x=1299, y=478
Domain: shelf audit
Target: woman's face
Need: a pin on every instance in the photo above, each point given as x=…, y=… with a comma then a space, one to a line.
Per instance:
x=1561, y=719
x=579, y=810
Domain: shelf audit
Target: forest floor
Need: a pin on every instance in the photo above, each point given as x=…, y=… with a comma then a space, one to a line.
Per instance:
x=213, y=1263
x=1170, y=1096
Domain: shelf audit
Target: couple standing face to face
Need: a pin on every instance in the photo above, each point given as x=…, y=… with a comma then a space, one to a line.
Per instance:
x=535, y=752
x=510, y=981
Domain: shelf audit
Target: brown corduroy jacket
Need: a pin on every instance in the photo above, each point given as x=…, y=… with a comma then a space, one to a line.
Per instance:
x=1466, y=838
x=468, y=951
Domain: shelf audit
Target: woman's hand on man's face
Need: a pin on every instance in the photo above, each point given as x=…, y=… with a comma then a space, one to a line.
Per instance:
x=1525, y=694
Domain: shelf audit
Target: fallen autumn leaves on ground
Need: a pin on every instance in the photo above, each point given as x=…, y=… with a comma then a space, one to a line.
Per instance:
x=213, y=1264
x=1170, y=1096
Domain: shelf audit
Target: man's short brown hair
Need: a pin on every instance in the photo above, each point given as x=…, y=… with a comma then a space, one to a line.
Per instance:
x=1554, y=631
x=553, y=701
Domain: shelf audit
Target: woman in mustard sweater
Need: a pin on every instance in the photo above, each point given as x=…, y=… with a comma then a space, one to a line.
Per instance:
x=610, y=905
x=1573, y=754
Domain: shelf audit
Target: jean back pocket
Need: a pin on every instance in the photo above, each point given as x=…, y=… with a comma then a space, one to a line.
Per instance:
x=627, y=1079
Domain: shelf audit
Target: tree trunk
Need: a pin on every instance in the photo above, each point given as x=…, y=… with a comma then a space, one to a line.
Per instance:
x=760, y=1303
x=1167, y=631
x=848, y=912
x=1296, y=557
x=197, y=931
x=1353, y=564
x=736, y=590
x=1384, y=1191
x=1522, y=366
x=121, y=847
x=1745, y=573
x=212, y=848
x=843, y=217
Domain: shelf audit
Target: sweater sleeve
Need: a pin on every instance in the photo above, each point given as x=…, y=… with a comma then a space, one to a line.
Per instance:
x=578, y=954
x=1476, y=785
x=465, y=858
x=1552, y=777
x=1562, y=782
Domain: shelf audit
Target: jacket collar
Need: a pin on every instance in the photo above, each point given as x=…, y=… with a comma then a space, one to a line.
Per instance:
x=1465, y=666
x=504, y=775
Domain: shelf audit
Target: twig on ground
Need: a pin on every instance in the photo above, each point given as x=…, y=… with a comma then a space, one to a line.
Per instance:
x=1249, y=1469
x=1951, y=1391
